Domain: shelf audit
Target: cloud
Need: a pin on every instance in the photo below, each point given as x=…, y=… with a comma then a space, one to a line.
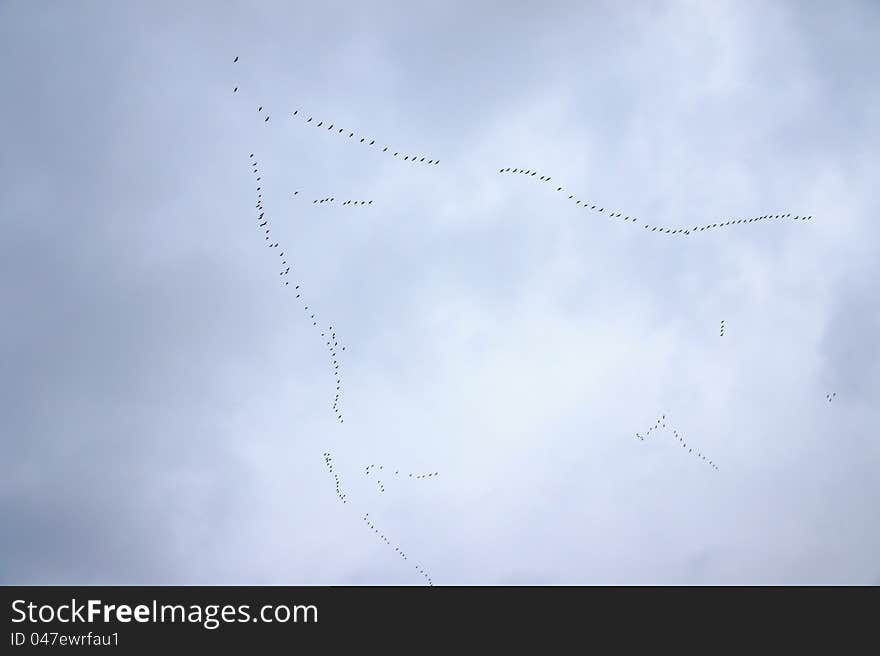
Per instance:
x=166, y=403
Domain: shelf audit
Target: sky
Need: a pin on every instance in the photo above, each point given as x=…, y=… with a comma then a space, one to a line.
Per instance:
x=166, y=400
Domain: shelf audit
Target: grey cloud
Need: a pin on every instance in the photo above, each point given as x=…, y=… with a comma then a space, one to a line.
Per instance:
x=165, y=403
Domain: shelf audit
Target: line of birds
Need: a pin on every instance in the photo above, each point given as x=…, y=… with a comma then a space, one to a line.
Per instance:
x=235, y=90
x=329, y=335
x=328, y=460
x=332, y=127
x=661, y=423
x=722, y=328
x=830, y=397
x=614, y=214
x=397, y=550
x=348, y=202
x=331, y=342
x=380, y=468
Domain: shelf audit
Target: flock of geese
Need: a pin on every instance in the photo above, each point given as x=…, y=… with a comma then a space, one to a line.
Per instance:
x=335, y=129
x=348, y=202
x=331, y=340
x=379, y=469
x=397, y=549
x=661, y=423
x=328, y=460
x=615, y=214
x=329, y=335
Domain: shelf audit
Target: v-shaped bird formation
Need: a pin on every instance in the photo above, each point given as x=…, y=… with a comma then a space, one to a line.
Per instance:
x=661, y=424
x=830, y=397
x=599, y=208
x=328, y=462
x=381, y=471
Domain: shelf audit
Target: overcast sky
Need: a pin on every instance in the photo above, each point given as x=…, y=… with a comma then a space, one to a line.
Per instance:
x=166, y=401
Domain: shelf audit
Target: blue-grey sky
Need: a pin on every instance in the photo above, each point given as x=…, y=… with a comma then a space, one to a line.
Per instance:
x=166, y=403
